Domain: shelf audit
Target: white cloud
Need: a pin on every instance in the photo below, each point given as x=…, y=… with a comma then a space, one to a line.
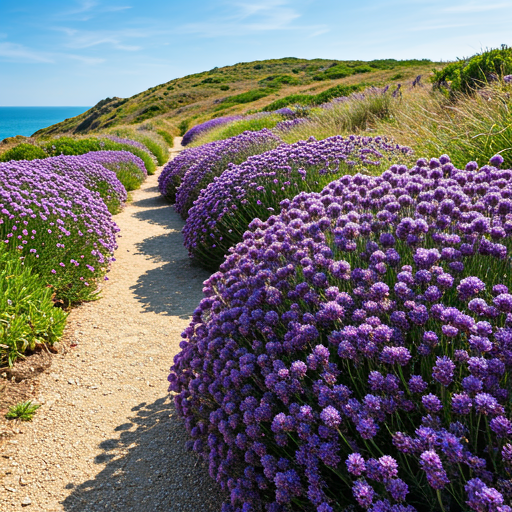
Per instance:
x=19, y=53
x=80, y=39
x=243, y=18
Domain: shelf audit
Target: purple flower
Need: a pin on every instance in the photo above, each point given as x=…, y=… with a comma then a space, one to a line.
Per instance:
x=431, y=403
x=355, y=464
x=363, y=493
x=433, y=467
x=443, y=370
x=330, y=416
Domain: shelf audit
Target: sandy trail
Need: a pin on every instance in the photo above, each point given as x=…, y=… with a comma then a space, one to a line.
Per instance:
x=107, y=436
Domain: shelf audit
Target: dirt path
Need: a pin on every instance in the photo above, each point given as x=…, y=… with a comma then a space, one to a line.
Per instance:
x=107, y=436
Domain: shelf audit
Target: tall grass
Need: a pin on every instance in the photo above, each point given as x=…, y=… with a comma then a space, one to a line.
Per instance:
x=151, y=139
x=355, y=114
x=466, y=127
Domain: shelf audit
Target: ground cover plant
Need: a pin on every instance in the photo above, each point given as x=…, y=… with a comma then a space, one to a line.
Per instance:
x=28, y=318
x=63, y=230
x=23, y=151
x=255, y=188
x=355, y=348
x=208, y=162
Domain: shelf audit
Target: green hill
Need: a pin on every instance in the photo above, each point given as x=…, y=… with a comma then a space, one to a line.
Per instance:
x=183, y=102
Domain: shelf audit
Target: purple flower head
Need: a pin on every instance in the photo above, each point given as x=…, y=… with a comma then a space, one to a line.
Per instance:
x=355, y=464
x=431, y=403
x=443, y=370
x=363, y=493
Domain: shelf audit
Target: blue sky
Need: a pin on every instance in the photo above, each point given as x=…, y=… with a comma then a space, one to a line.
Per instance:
x=77, y=52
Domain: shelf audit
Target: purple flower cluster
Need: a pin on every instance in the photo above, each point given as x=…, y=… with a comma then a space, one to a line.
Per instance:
x=129, y=168
x=63, y=229
x=84, y=170
x=289, y=124
x=199, y=129
x=356, y=348
x=255, y=188
x=195, y=168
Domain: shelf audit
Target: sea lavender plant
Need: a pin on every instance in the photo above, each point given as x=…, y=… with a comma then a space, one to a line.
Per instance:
x=255, y=188
x=84, y=170
x=355, y=349
x=58, y=226
x=129, y=168
x=199, y=129
x=209, y=161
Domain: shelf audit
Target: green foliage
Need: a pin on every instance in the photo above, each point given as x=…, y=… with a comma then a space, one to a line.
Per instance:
x=472, y=73
x=276, y=81
x=245, y=97
x=167, y=137
x=314, y=99
x=183, y=126
x=28, y=317
x=149, y=138
x=224, y=87
x=23, y=411
x=71, y=146
x=23, y=152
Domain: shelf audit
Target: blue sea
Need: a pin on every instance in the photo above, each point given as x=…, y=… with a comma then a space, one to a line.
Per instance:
x=27, y=120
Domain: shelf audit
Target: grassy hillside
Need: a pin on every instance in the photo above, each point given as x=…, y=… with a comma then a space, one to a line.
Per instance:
x=183, y=102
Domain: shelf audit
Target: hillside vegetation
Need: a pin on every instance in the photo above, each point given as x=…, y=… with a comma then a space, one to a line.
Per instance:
x=184, y=102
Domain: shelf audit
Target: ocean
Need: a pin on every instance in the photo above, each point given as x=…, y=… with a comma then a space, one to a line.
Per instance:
x=27, y=120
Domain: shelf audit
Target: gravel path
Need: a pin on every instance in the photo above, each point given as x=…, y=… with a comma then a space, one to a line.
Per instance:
x=107, y=436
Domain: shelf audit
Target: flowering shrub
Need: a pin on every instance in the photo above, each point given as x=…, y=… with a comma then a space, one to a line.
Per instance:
x=83, y=170
x=254, y=188
x=129, y=168
x=356, y=348
x=210, y=160
x=199, y=129
x=289, y=124
x=60, y=228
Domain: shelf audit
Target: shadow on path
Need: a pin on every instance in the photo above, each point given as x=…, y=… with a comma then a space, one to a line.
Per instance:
x=118, y=487
x=175, y=287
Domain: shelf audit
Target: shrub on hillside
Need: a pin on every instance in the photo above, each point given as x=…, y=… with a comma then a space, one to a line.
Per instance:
x=467, y=75
x=211, y=161
x=28, y=318
x=199, y=129
x=355, y=350
x=253, y=123
x=83, y=169
x=61, y=229
x=148, y=139
x=255, y=188
x=23, y=152
x=79, y=146
x=130, y=169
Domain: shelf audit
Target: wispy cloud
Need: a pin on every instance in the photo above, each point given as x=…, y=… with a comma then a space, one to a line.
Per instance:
x=242, y=18
x=87, y=9
x=19, y=53
x=434, y=26
x=80, y=39
x=473, y=7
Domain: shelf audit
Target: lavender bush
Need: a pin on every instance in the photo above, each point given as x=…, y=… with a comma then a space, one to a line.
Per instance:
x=84, y=170
x=58, y=226
x=129, y=168
x=199, y=129
x=255, y=188
x=211, y=160
x=355, y=350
